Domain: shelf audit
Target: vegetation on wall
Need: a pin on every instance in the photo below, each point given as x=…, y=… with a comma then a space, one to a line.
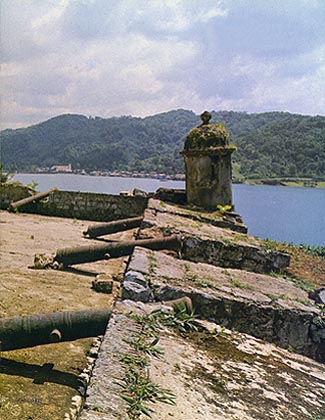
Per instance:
x=4, y=176
x=273, y=144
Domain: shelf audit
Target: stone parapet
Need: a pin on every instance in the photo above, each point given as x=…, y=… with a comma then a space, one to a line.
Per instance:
x=78, y=205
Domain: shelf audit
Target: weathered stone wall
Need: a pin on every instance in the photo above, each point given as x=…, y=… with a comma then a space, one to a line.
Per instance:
x=245, y=256
x=79, y=205
x=287, y=328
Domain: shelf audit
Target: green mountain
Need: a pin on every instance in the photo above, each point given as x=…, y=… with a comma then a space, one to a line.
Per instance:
x=272, y=144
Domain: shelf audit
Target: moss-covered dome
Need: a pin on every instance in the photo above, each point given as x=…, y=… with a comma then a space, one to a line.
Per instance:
x=206, y=135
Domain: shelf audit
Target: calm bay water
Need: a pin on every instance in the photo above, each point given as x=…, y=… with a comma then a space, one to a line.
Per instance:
x=281, y=213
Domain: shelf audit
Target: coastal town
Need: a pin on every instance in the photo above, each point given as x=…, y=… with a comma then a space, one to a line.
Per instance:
x=68, y=169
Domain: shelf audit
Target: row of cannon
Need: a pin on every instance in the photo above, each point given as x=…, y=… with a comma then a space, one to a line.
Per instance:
x=115, y=249
x=33, y=330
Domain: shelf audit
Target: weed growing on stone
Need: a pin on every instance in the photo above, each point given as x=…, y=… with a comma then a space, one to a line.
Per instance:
x=140, y=343
x=151, y=256
x=271, y=245
x=268, y=245
x=188, y=275
x=162, y=204
x=240, y=285
x=273, y=298
x=206, y=283
x=138, y=390
x=225, y=241
x=312, y=250
x=290, y=349
x=177, y=366
x=305, y=302
x=135, y=360
x=32, y=185
x=179, y=319
x=224, y=209
x=302, y=284
x=320, y=319
x=167, y=230
x=243, y=238
x=153, y=264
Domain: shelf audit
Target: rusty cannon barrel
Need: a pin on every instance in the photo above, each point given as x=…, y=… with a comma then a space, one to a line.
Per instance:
x=33, y=330
x=93, y=231
x=17, y=204
x=84, y=254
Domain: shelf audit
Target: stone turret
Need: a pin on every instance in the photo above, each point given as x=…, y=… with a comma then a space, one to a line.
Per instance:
x=207, y=155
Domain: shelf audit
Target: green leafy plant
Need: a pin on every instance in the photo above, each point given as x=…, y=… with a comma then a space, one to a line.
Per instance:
x=4, y=176
x=312, y=250
x=140, y=343
x=135, y=360
x=302, y=284
x=270, y=245
x=224, y=209
x=138, y=390
x=162, y=204
x=32, y=185
x=179, y=319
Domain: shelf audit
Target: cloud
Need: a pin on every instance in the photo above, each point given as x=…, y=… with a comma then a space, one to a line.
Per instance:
x=139, y=57
x=99, y=18
x=304, y=90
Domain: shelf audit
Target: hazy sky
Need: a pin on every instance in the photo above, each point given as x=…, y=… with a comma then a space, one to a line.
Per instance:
x=141, y=57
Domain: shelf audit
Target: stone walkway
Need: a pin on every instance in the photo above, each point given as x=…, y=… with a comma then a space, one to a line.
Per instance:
x=216, y=373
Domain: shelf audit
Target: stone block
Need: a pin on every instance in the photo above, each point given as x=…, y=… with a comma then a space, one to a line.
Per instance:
x=103, y=284
x=136, y=277
x=137, y=292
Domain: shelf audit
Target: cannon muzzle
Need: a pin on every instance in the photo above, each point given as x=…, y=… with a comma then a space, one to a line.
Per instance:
x=33, y=330
x=17, y=204
x=93, y=231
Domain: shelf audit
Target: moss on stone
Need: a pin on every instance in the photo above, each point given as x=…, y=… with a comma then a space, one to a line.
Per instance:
x=207, y=135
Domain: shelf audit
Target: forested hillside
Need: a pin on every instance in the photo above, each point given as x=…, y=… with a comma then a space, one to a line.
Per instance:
x=273, y=144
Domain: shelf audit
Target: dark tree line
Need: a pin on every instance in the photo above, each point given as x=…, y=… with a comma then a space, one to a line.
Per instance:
x=273, y=144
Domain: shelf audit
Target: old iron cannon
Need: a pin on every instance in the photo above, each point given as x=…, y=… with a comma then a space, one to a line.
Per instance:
x=93, y=231
x=17, y=204
x=33, y=330
x=84, y=254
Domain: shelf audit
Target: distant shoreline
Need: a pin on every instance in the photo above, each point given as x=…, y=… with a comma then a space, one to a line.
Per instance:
x=285, y=182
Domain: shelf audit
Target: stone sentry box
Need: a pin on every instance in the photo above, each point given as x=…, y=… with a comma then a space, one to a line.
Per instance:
x=207, y=155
